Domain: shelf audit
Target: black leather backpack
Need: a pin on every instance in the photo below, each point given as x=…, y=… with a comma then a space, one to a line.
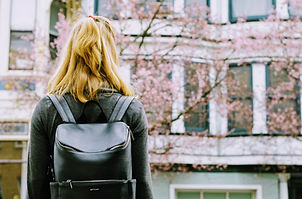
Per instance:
x=92, y=160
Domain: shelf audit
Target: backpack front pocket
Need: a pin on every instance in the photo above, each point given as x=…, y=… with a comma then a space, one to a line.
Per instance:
x=93, y=189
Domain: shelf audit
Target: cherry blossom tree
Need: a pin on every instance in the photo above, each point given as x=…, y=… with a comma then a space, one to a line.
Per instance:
x=180, y=62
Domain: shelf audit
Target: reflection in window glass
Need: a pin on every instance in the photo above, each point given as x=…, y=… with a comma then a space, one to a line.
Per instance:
x=240, y=195
x=210, y=195
x=20, y=50
x=295, y=7
x=215, y=195
x=250, y=9
x=13, y=128
x=57, y=6
x=166, y=6
x=188, y=195
x=240, y=99
x=189, y=3
x=280, y=80
x=17, y=85
x=197, y=8
x=282, y=101
x=196, y=119
x=103, y=8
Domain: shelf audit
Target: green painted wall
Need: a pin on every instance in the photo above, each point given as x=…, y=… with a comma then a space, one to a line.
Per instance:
x=162, y=181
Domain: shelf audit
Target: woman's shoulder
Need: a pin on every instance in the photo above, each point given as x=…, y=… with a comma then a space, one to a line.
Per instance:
x=43, y=104
x=137, y=116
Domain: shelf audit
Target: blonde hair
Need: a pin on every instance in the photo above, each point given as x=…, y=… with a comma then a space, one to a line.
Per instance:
x=90, y=62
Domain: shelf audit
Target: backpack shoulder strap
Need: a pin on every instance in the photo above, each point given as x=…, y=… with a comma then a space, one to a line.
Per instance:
x=63, y=108
x=120, y=108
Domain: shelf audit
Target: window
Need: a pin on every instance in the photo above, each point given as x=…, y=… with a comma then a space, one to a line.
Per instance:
x=20, y=144
x=215, y=195
x=295, y=8
x=282, y=102
x=17, y=84
x=21, y=36
x=102, y=7
x=109, y=8
x=239, y=85
x=20, y=50
x=202, y=3
x=165, y=9
x=295, y=187
x=250, y=9
x=57, y=6
x=13, y=128
x=196, y=119
x=197, y=7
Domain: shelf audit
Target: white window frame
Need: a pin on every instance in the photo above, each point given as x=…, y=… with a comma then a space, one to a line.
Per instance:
x=174, y=188
x=41, y=26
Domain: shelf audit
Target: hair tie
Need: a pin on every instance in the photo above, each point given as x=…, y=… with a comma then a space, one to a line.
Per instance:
x=92, y=17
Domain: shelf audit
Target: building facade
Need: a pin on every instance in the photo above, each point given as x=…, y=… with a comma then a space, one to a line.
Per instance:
x=261, y=166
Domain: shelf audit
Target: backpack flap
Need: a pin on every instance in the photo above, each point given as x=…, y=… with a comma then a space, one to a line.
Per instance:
x=94, y=137
x=92, y=151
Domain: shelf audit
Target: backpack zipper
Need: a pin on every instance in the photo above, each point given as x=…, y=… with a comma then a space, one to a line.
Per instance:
x=132, y=136
x=68, y=147
x=120, y=145
x=70, y=183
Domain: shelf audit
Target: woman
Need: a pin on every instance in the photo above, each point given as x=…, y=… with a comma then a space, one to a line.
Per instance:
x=89, y=71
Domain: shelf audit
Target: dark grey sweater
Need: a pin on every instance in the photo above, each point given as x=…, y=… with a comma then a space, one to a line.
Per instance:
x=44, y=122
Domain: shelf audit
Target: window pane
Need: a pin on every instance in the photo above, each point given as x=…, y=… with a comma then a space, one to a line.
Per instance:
x=166, y=8
x=282, y=102
x=188, y=195
x=240, y=195
x=23, y=14
x=241, y=81
x=20, y=50
x=196, y=119
x=56, y=7
x=168, y=1
x=208, y=195
x=285, y=105
x=103, y=8
x=11, y=158
x=249, y=8
x=295, y=7
x=240, y=115
x=196, y=8
x=280, y=81
x=240, y=118
x=11, y=128
x=189, y=3
x=277, y=77
x=17, y=84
